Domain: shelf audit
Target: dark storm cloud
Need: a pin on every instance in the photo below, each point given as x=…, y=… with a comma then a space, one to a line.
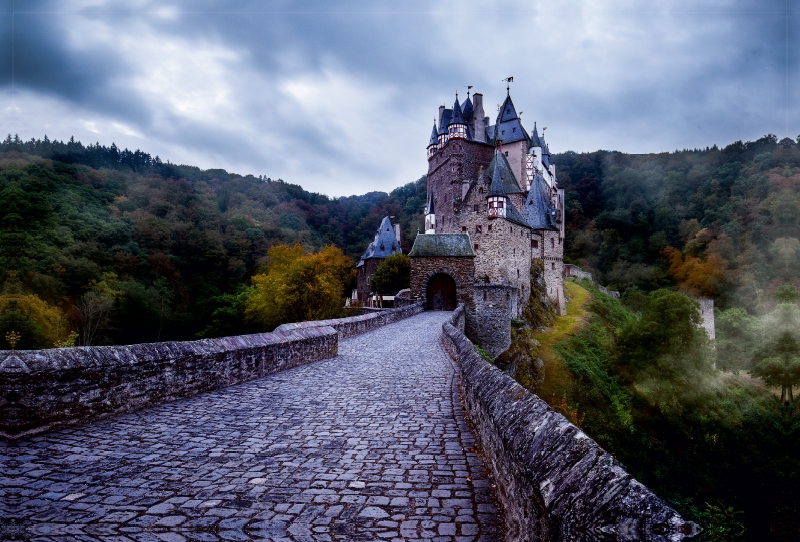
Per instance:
x=340, y=96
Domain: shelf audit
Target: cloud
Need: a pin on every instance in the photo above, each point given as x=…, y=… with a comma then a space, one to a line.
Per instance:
x=339, y=97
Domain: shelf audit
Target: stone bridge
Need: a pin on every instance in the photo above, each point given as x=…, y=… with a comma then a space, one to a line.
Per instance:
x=372, y=444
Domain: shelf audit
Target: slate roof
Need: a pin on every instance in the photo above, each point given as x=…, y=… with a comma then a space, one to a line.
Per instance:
x=510, y=183
x=384, y=245
x=442, y=244
x=535, y=142
x=539, y=212
x=458, y=116
x=434, y=136
x=467, y=109
x=445, y=121
x=508, y=127
x=496, y=186
x=507, y=111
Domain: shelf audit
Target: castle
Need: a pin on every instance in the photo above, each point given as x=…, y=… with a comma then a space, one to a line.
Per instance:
x=493, y=211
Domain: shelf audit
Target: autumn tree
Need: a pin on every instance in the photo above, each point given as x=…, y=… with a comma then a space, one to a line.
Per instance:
x=296, y=286
x=697, y=276
x=392, y=275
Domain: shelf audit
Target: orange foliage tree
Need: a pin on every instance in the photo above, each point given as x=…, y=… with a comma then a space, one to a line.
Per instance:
x=696, y=276
x=296, y=286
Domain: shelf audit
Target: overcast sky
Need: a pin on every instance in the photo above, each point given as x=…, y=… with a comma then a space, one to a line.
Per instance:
x=340, y=96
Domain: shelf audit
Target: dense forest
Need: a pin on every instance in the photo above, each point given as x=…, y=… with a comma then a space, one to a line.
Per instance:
x=139, y=250
x=118, y=246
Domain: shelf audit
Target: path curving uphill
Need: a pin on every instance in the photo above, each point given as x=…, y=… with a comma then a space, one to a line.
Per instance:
x=370, y=445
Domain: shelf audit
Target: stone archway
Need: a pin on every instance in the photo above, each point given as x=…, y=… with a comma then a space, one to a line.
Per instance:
x=441, y=293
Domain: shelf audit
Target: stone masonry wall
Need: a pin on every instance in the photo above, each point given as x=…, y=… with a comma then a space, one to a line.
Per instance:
x=355, y=325
x=555, y=483
x=456, y=161
x=489, y=322
x=462, y=269
x=45, y=389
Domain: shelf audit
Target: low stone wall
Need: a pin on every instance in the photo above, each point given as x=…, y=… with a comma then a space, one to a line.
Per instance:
x=354, y=325
x=555, y=483
x=46, y=389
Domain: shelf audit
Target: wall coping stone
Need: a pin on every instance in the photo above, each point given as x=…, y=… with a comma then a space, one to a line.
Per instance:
x=554, y=481
x=354, y=325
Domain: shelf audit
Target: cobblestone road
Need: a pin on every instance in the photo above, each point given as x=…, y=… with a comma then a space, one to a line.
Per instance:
x=371, y=445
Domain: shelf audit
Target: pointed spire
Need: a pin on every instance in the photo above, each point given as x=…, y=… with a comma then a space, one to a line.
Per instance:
x=535, y=141
x=434, y=135
x=430, y=209
x=458, y=115
x=496, y=188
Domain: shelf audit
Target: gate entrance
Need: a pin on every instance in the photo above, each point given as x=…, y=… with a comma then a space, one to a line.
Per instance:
x=441, y=293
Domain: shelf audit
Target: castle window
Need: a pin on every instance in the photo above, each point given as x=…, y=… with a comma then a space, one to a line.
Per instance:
x=475, y=207
x=517, y=273
x=484, y=296
x=463, y=229
x=511, y=230
x=506, y=153
x=489, y=227
x=480, y=190
x=534, y=243
x=478, y=228
x=475, y=246
x=552, y=243
x=554, y=265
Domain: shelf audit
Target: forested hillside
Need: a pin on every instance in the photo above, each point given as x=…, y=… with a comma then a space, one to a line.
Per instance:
x=168, y=245
x=718, y=223
x=173, y=245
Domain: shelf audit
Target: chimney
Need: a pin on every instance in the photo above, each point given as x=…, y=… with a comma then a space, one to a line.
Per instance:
x=479, y=122
x=441, y=114
x=397, y=233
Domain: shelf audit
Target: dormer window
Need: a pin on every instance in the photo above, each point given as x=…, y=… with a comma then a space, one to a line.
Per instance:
x=382, y=247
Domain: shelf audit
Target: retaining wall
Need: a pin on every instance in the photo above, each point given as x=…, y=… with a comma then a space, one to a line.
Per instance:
x=353, y=325
x=555, y=483
x=45, y=389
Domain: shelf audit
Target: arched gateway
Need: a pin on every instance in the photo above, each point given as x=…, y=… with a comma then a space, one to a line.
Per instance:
x=441, y=293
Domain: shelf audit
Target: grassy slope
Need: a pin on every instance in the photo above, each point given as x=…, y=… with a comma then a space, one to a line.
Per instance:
x=557, y=376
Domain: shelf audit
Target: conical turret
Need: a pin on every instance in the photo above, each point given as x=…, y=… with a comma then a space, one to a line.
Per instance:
x=433, y=143
x=457, y=127
x=497, y=201
x=430, y=215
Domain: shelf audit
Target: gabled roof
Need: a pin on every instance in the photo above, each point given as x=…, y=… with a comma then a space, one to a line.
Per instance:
x=538, y=211
x=432, y=245
x=510, y=183
x=445, y=121
x=457, y=116
x=434, y=136
x=467, y=109
x=507, y=111
x=384, y=245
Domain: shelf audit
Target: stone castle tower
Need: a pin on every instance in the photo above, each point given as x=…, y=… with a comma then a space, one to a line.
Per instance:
x=493, y=209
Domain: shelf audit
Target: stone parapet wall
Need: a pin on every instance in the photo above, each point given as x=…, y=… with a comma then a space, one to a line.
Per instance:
x=354, y=325
x=42, y=390
x=489, y=320
x=555, y=483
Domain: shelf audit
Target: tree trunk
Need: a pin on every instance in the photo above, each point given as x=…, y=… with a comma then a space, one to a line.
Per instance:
x=783, y=394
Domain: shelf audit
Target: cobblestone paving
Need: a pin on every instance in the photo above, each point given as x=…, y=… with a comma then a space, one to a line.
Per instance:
x=371, y=445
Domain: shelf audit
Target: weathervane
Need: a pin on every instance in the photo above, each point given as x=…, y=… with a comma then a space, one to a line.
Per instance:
x=469, y=87
x=508, y=81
